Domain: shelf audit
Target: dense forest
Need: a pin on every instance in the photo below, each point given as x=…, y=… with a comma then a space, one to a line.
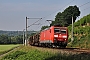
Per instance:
x=13, y=37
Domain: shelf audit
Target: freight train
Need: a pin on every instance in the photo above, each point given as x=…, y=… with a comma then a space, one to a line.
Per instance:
x=51, y=37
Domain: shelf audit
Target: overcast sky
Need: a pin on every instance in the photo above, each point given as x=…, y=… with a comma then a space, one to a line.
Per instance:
x=13, y=12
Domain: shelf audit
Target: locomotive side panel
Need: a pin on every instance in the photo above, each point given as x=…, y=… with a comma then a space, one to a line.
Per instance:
x=46, y=36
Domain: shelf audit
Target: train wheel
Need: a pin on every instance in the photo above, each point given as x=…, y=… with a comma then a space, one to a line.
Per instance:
x=50, y=45
x=39, y=44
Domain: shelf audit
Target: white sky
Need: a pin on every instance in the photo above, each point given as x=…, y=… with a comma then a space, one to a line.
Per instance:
x=13, y=12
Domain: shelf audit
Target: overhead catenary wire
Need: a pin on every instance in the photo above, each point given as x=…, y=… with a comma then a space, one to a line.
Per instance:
x=34, y=23
x=84, y=4
x=52, y=13
x=58, y=10
x=85, y=8
x=41, y=24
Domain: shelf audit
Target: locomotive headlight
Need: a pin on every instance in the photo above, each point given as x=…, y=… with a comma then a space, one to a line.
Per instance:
x=64, y=36
x=55, y=35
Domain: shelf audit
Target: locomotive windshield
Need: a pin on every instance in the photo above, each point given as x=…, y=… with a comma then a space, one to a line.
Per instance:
x=56, y=30
x=63, y=31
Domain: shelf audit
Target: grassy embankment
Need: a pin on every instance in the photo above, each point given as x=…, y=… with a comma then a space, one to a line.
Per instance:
x=30, y=53
x=81, y=33
x=6, y=48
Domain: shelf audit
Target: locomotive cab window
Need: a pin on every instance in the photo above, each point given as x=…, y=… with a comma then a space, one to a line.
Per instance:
x=63, y=31
x=56, y=30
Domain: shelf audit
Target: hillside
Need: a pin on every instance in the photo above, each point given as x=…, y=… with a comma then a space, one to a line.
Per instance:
x=81, y=33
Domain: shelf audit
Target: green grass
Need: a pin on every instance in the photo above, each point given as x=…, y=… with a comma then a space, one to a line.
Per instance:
x=6, y=47
x=30, y=53
x=81, y=37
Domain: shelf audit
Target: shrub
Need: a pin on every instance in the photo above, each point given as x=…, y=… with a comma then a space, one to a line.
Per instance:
x=13, y=55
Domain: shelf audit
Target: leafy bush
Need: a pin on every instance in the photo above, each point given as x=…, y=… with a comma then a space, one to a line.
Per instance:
x=77, y=23
x=35, y=55
x=13, y=55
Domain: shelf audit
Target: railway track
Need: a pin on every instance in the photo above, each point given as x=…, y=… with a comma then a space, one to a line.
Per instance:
x=64, y=50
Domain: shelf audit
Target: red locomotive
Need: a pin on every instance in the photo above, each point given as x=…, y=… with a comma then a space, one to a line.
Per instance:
x=53, y=36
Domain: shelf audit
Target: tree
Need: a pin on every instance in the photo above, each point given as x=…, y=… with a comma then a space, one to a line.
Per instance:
x=65, y=18
x=17, y=39
x=4, y=39
x=44, y=27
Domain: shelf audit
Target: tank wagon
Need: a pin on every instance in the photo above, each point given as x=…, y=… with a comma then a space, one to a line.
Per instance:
x=51, y=37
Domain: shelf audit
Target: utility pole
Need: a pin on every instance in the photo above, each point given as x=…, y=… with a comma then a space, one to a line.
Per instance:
x=26, y=32
x=72, y=30
x=23, y=37
x=28, y=27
